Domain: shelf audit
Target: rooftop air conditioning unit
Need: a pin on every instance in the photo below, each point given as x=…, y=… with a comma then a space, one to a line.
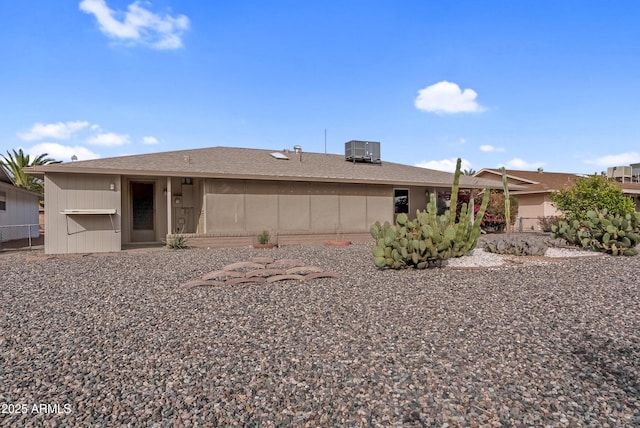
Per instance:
x=362, y=151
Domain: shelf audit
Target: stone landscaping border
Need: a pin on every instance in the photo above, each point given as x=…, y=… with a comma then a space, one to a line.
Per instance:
x=259, y=270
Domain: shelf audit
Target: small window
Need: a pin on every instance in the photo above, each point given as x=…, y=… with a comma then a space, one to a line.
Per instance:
x=187, y=181
x=3, y=200
x=401, y=201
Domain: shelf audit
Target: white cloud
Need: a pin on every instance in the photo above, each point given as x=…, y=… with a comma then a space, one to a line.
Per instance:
x=60, y=152
x=490, y=148
x=109, y=139
x=448, y=165
x=615, y=160
x=517, y=163
x=447, y=97
x=149, y=140
x=58, y=131
x=138, y=25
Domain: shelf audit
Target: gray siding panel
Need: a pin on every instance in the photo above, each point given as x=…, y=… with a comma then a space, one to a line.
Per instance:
x=237, y=207
x=82, y=233
x=21, y=208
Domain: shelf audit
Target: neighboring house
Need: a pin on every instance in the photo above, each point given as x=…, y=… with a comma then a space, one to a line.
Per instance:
x=632, y=190
x=534, y=201
x=625, y=174
x=628, y=178
x=227, y=196
x=18, y=211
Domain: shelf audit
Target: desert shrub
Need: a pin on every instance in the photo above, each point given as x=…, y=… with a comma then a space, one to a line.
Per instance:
x=494, y=218
x=592, y=193
x=496, y=206
x=464, y=197
x=493, y=223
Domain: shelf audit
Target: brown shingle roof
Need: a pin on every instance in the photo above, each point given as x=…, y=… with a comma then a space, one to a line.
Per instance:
x=533, y=181
x=231, y=162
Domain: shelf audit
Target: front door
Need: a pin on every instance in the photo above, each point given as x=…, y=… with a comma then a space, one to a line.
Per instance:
x=142, y=211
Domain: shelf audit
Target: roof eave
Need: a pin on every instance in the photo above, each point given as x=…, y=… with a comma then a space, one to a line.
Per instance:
x=532, y=192
x=499, y=174
x=42, y=170
x=21, y=190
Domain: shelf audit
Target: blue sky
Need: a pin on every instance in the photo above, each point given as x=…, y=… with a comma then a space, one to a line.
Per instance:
x=522, y=84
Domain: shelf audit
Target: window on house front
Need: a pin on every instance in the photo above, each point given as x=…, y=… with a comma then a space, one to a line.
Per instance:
x=401, y=201
x=3, y=200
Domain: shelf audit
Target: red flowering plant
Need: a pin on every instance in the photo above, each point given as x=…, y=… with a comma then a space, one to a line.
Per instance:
x=494, y=218
x=464, y=197
x=493, y=222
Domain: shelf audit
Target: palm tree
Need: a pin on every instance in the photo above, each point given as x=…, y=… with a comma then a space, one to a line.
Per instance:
x=14, y=166
x=470, y=171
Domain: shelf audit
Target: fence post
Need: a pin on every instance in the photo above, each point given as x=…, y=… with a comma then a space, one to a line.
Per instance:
x=520, y=224
x=18, y=226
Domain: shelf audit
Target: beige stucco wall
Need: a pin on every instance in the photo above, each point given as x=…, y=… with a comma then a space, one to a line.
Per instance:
x=532, y=206
x=548, y=208
x=81, y=233
x=21, y=209
x=417, y=199
x=248, y=207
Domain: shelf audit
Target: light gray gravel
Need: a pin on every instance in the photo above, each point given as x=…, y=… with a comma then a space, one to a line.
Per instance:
x=116, y=339
x=482, y=258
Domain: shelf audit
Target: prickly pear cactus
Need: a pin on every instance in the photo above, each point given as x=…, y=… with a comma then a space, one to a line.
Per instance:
x=612, y=234
x=529, y=246
x=429, y=239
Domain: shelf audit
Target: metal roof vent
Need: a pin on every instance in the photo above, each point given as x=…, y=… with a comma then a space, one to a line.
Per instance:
x=362, y=151
x=297, y=149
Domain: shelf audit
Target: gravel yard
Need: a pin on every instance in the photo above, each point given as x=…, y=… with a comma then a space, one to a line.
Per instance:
x=105, y=340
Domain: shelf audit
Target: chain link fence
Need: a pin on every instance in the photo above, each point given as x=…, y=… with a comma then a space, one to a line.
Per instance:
x=21, y=236
x=534, y=224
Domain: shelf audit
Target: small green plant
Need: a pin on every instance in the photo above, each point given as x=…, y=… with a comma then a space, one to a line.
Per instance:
x=529, y=246
x=177, y=242
x=264, y=237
